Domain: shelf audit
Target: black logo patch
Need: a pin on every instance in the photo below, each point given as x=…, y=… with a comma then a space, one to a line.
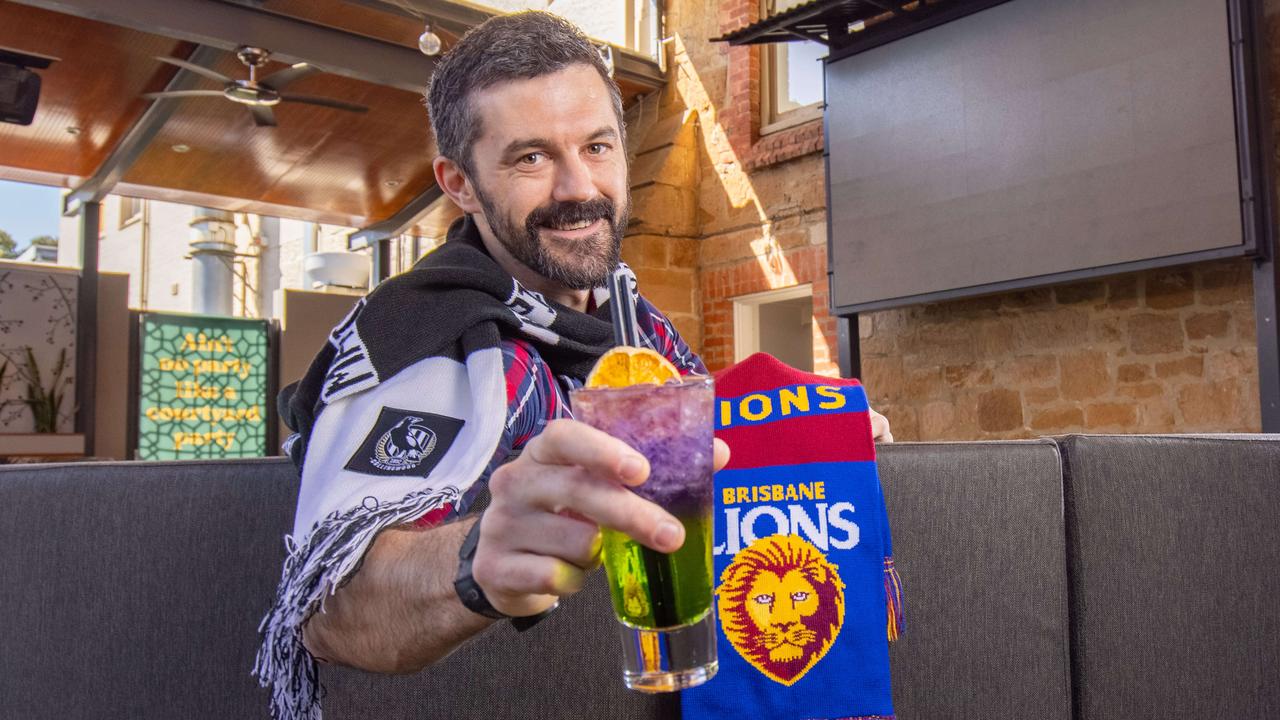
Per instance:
x=405, y=442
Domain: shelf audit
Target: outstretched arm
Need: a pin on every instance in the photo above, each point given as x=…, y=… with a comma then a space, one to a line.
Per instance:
x=539, y=538
x=399, y=612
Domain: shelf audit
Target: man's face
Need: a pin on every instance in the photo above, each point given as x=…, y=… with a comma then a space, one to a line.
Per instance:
x=550, y=173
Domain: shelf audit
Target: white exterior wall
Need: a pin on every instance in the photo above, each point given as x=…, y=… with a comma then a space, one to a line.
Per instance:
x=605, y=21
x=169, y=270
x=278, y=244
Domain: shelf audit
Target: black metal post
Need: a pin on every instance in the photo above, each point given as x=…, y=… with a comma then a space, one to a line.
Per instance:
x=87, y=325
x=134, y=404
x=273, y=388
x=1250, y=56
x=849, y=346
x=1266, y=309
x=381, y=262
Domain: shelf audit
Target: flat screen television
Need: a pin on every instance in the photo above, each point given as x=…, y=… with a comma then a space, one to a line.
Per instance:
x=1041, y=141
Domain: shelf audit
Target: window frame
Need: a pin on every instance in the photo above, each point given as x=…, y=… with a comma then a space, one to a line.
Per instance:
x=771, y=120
x=130, y=219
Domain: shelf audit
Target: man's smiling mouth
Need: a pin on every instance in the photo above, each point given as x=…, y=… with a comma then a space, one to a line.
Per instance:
x=573, y=227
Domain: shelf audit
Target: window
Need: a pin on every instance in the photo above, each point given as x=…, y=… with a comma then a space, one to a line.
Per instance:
x=792, y=87
x=130, y=210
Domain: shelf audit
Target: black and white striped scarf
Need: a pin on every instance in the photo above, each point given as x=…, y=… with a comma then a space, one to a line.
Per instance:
x=429, y=338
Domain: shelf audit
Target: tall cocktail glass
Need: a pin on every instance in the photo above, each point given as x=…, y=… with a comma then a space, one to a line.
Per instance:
x=663, y=600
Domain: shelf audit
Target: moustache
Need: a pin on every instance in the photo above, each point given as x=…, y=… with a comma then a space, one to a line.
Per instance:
x=559, y=214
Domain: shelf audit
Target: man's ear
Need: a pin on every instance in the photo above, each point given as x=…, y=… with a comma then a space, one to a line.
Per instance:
x=454, y=182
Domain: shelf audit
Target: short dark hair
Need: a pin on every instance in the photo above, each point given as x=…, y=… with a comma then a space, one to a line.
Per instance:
x=519, y=46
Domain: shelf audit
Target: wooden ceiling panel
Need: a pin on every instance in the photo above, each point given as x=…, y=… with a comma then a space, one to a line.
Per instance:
x=94, y=86
x=372, y=22
x=361, y=165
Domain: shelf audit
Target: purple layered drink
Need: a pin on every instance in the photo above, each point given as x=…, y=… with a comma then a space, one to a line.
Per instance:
x=672, y=425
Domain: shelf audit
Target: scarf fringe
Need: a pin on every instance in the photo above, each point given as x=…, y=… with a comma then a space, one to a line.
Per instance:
x=331, y=552
x=893, y=600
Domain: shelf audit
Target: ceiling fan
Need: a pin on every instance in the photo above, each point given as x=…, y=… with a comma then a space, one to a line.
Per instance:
x=258, y=95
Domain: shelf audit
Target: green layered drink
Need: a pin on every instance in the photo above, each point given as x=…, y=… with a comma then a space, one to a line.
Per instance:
x=664, y=597
x=673, y=591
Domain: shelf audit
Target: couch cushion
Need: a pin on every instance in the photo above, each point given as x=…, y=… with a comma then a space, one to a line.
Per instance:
x=979, y=541
x=134, y=590
x=1175, y=564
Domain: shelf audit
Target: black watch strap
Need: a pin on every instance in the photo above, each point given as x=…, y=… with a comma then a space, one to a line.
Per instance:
x=473, y=597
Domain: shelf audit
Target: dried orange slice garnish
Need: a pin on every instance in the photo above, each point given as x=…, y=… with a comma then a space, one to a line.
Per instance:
x=624, y=366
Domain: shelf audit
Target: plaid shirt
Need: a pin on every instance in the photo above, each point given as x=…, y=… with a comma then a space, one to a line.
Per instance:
x=535, y=396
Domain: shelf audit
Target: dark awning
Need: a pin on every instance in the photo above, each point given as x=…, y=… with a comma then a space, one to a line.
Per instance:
x=849, y=26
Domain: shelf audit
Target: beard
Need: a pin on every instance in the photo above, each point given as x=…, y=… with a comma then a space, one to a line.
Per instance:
x=577, y=264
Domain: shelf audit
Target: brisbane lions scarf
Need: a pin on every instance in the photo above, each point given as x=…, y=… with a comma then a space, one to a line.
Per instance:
x=423, y=352
x=807, y=596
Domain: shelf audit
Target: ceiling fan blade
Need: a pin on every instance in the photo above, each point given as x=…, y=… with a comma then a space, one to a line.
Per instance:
x=183, y=94
x=262, y=116
x=198, y=69
x=278, y=79
x=326, y=102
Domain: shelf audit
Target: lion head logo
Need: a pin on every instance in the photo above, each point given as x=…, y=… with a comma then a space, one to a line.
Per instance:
x=404, y=446
x=781, y=606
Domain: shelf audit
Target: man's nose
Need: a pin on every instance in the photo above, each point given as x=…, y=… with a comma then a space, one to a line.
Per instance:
x=574, y=182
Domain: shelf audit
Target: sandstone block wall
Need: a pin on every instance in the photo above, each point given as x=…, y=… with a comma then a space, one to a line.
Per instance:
x=1155, y=352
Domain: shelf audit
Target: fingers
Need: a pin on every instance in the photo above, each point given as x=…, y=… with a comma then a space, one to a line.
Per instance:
x=880, y=431
x=568, y=442
x=576, y=541
x=577, y=491
x=721, y=454
x=522, y=584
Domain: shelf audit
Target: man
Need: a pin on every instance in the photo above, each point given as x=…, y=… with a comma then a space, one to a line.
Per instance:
x=531, y=147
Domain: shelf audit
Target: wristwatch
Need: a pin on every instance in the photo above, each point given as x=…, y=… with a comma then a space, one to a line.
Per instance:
x=473, y=597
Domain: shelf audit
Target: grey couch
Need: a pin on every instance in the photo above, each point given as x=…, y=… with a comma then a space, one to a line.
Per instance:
x=1088, y=577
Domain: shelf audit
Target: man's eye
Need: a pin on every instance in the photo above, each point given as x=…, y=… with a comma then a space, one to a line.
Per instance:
x=532, y=158
x=763, y=599
x=597, y=148
x=800, y=596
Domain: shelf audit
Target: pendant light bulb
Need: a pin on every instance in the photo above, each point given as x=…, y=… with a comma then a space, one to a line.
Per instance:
x=429, y=42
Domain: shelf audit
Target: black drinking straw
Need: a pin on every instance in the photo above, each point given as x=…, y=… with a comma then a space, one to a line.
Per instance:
x=657, y=566
x=622, y=308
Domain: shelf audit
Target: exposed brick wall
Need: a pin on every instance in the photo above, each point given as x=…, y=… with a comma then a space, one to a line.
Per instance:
x=762, y=202
x=709, y=193
x=786, y=144
x=722, y=283
x=741, y=113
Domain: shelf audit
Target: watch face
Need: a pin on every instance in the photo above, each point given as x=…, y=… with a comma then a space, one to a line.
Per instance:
x=472, y=596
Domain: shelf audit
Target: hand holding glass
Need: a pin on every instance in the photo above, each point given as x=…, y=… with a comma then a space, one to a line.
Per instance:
x=663, y=600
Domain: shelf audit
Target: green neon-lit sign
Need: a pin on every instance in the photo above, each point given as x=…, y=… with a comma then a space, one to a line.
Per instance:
x=202, y=387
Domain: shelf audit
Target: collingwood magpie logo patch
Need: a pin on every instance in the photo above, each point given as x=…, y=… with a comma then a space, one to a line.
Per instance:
x=405, y=442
